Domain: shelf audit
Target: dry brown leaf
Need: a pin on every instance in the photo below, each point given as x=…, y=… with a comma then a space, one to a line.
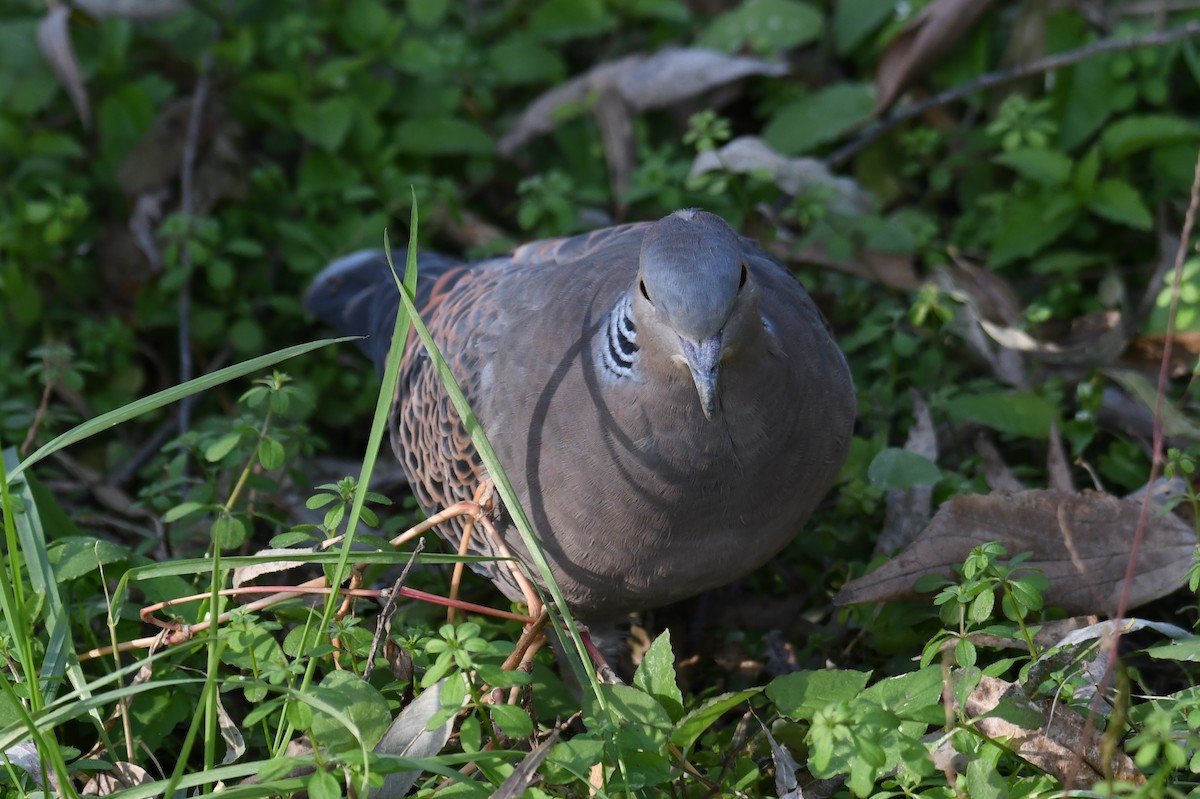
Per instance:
x=970, y=315
x=786, y=768
x=1091, y=341
x=999, y=477
x=908, y=510
x=888, y=269
x=1080, y=542
x=796, y=176
x=1058, y=468
x=122, y=776
x=615, y=121
x=993, y=296
x=245, y=574
x=940, y=25
x=1185, y=351
x=1060, y=745
x=54, y=40
x=642, y=81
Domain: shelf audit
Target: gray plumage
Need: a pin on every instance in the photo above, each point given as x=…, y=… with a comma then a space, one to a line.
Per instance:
x=665, y=397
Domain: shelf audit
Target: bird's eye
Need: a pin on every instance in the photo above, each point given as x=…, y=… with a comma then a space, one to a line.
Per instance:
x=745, y=276
x=642, y=287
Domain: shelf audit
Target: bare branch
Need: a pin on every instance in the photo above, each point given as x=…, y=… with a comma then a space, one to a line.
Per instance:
x=1001, y=77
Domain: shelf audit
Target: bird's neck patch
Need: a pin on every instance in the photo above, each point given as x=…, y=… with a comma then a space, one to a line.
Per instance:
x=617, y=343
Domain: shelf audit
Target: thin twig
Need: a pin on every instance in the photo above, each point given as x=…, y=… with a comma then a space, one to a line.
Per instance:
x=1156, y=456
x=43, y=405
x=383, y=624
x=1001, y=77
x=187, y=207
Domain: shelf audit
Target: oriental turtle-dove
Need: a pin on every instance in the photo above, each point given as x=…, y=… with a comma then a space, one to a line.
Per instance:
x=666, y=399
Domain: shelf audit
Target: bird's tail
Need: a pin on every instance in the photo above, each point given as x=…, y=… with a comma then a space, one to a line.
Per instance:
x=357, y=296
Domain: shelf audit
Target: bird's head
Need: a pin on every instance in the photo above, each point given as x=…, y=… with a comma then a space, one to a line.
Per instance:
x=694, y=297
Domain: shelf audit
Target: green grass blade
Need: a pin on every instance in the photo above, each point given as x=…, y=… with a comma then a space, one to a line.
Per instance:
x=166, y=397
x=487, y=454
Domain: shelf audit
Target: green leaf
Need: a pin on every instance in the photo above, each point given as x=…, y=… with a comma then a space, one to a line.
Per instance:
x=442, y=136
x=270, y=454
x=427, y=13
x=563, y=20
x=1085, y=93
x=1186, y=649
x=1117, y=201
x=512, y=720
x=981, y=607
x=1132, y=134
x=182, y=509
x=656, y=676
x=916, y=695
x=965, y=653
x=228, y=532
x=854, y=20
x=1087, y=171
x=1016, y=414
x=574, y=757
x=766, y=26
x=520, y=59
x=358, y=702
x=817, y=118
x=221, y=447
x=1028, y=226
x=1049, y=167
x=634, y=705
x=326, y=123
x=691, y=726
x=801, y=694
x=79, y=555
x=899, y=469
x=323, y=785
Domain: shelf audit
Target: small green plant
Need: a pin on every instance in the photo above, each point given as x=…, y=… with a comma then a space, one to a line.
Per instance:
x=968, y=605
x=1021, y=122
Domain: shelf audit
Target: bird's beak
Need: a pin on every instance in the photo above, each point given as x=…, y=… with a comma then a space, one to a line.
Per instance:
x=703, y=358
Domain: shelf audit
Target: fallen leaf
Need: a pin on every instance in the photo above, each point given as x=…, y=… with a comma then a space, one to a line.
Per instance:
x=993, y=295
x=1092, y=340
x=642, y=81
x=54, y=40
x=407, y=737
x=999, y=477
x=970, y=315
x=795, y=176
x=123, y=775
x=940, y=25
x=1185, y=351
x=24, y=755
x=1061, y=744
x=1080, y=542
x=787, y=786
x=1058, y=468
x=525, y=772
x=615, y=120
x=245, y=574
